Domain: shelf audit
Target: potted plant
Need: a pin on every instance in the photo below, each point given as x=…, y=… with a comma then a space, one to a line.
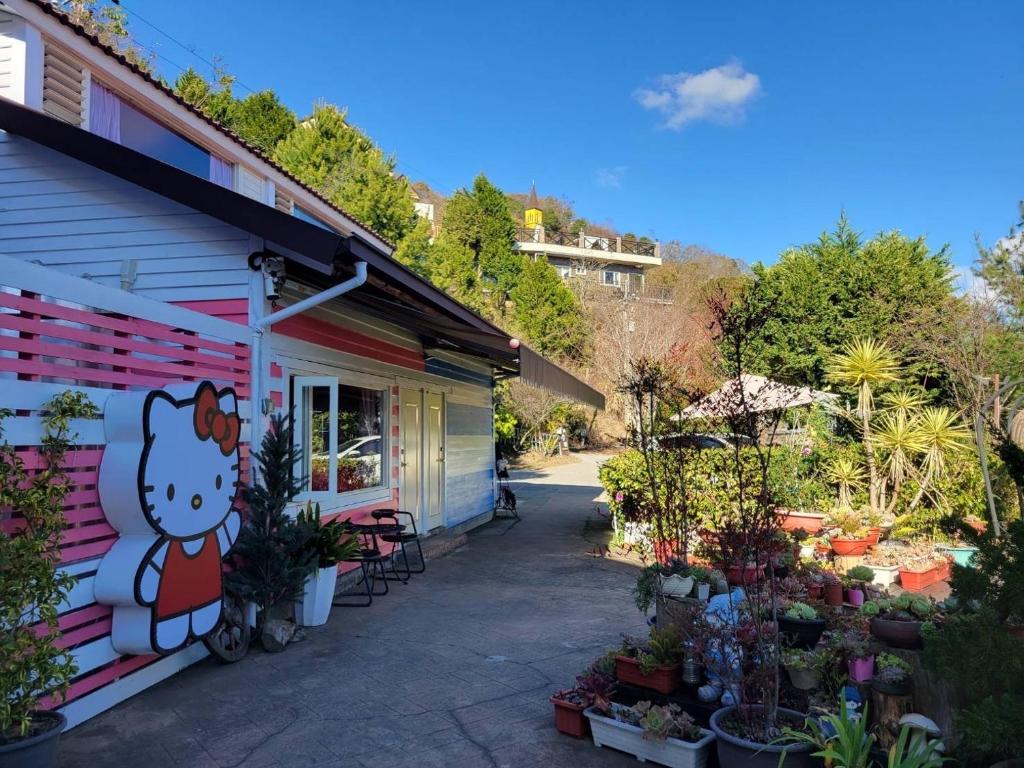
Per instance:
x=702, y=582
x=853, y=645
x=898, y=621
x=653, y=664
x=33, y=665
x=801, y=625
x=592, y=689
x=271, y=557
x=851, y=538
x=661, y=734
x=793, y=520
x=329, y=544
x=841, y=738
x=804, y=666
x=961, y=554
x=856, y=579
x=833, y=589
x=892, y=675
x=675, y=579
x=917, y=576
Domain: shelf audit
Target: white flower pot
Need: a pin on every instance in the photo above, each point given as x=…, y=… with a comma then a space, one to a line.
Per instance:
x=676, y=585
x=675, y=753
x=314, y=607
x=702, y=591
x=885, y=575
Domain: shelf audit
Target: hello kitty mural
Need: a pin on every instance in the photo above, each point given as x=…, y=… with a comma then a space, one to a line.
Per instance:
x=168, y=482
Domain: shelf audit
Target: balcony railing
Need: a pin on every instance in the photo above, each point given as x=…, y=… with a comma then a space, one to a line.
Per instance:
x=601, y=243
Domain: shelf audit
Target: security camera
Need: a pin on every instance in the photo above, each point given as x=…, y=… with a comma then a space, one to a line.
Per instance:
x=273, y=278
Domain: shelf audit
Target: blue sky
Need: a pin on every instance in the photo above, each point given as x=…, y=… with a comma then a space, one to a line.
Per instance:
x=745, y=127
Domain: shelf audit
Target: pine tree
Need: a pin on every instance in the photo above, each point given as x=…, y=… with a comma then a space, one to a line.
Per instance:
x=546, y=312
x=270, y=558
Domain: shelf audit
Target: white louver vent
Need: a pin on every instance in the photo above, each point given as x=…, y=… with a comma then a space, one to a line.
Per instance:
x=63, y=81
x=282, y=202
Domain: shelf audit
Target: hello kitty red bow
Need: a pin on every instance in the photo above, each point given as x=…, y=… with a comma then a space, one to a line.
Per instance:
x=212, y=422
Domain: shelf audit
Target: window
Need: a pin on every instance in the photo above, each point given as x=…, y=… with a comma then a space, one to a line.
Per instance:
x=611, y=277
x=301, y=213
x=340, y=431
x=579, y=269
x=144, y=134
x=563, y=272
x=360, y=420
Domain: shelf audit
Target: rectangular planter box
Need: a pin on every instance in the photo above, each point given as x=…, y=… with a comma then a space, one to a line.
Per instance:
x=915, y=581
x=674, y=753
x=885, y=575
x=569, y=719
x=663, y=679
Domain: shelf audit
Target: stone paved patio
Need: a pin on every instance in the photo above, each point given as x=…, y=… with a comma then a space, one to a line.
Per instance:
x=453, y=669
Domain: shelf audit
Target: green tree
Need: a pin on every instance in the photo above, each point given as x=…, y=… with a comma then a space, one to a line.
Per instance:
x=829, y=292
x=262, y=120
x=331, y=155
x=547, y=312
x=213, y=99
x=1002, y=268
x=452, y=268
x=414, y=250
x=499, y=261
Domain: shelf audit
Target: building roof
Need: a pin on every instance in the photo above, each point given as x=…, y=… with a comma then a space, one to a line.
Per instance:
x=316, y=255
x=754, y=394
x=532, y=201
x=49, y=8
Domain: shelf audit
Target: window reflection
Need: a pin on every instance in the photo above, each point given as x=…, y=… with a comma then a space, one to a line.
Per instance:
x=360, y=444
x=316, y=440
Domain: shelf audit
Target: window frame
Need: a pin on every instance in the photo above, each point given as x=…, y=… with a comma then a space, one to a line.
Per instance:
x=332, y=500
x=616, y=282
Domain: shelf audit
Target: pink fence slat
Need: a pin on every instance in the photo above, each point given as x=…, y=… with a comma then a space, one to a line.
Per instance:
x=79, y=497
x=89, y=683
x=84, y=634
x=87, y=533
x=76, y=458
x=84, y=515
x=114, y=360
x=85, y=551
x=131, y=326
x=84, y=376
x=77, y=618
x=81, y=336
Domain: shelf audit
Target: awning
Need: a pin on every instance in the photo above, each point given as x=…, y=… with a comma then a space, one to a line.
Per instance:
x=540, y=372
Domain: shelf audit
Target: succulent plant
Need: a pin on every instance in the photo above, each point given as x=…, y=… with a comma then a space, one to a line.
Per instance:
x=801, y=611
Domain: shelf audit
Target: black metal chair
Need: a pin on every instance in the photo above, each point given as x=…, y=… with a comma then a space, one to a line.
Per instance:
x=400, y=535
x=371, y=561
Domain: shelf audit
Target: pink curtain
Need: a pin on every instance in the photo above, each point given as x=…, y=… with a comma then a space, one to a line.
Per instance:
x=104, y=113
x=222, y=172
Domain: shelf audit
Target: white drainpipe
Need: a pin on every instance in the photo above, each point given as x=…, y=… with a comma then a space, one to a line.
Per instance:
x=261, y=324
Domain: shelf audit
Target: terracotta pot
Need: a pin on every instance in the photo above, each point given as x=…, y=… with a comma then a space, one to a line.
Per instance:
x=663, y=679
x=861, y=670
x=811, y=522
x=665, y=551
x=979, y=525
x=739, y=575
x=815, y=591
x=874, y=534
x=834, y=594
x=804, y=679
x=569, y=718
x=915, y=581
x=898, y=634
x=845, y=546
x=855, y=596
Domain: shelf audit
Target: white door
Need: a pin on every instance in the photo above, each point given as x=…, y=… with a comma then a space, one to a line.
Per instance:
x=434, y=457
x=411, y=447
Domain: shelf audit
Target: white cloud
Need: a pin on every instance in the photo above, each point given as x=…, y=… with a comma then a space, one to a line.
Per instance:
x=720, y=94
x=610, y=177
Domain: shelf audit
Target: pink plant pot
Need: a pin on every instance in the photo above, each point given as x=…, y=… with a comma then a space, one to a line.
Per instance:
x=861, y=670
x=855, y=596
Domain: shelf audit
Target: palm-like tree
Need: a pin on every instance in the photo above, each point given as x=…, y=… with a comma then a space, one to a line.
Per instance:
x=943, y=433
x=848, y=475
x=903, y=401
x=866, y=364
x=900, y=439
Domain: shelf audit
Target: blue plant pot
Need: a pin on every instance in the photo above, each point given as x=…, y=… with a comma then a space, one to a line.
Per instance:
x=963, y=556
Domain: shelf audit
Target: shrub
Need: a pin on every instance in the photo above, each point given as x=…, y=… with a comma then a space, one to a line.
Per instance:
x=860, y=574
x=801, y=611
x=32, y=665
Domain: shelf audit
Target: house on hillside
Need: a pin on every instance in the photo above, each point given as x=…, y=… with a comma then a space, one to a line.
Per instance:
x=152, y=259
x=615, y=263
